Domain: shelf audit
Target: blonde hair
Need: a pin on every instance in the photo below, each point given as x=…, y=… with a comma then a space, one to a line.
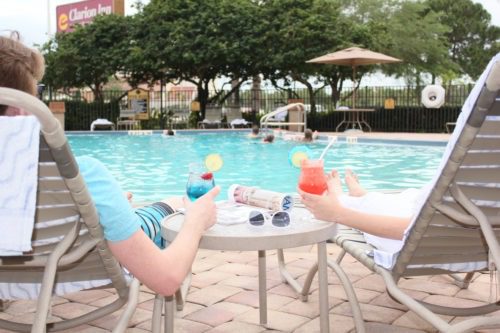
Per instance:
x=21, y=67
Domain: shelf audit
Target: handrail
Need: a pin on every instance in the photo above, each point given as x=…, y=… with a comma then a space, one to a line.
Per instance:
x=265, y=121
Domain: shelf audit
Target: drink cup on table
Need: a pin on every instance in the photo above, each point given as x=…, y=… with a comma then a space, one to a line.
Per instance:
x=312, y=177
x=200, y=181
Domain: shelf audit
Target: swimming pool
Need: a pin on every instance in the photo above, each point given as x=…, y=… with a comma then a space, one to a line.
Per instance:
x=156, y=166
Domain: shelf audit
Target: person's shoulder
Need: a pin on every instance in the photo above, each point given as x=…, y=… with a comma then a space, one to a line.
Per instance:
x=89, y=163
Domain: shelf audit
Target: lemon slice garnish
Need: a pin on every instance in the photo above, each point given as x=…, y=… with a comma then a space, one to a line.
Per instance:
x=298, y=154
x=298, y=157
x=213, y=162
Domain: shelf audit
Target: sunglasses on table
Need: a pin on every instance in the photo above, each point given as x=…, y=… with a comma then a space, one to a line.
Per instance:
x=278, y=219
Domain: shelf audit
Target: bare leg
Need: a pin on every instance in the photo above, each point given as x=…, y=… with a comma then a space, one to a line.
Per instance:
x=129, y=196
x=174, y=202
x=338, y=184
x=353, y=185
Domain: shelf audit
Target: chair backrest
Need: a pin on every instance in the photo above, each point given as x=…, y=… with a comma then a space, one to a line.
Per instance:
x=127, y=114
x=67, y=232
x=459, y=223
x=213, y=114
x=233, y=113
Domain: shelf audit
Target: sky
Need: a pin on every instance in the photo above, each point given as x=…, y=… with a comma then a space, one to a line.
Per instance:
x=30, y=17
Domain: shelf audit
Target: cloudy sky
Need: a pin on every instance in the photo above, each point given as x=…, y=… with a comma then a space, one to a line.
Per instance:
x=31, y=19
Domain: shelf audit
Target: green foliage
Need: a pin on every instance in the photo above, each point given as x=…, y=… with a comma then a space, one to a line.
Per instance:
x=197, y=41
x=472, y=40
x=235, y=40
x=401, y=119
x=79, y=114
x=194, y=118
x=88, y=56
x=307, y=29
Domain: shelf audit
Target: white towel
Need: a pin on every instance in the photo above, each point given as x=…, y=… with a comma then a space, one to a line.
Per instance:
x=19, y=137
x=239, y=121
x=100, y=121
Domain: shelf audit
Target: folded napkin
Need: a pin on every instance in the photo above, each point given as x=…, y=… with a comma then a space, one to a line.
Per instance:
x=19, y=137
x=229, y=213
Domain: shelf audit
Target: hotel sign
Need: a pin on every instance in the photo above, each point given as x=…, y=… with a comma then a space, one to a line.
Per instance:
x=83, y=12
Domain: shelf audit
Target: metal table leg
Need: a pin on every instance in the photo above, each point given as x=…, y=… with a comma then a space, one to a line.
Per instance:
x=262, y=288
x=157, y=310
x=323, y=288
x=169, y=314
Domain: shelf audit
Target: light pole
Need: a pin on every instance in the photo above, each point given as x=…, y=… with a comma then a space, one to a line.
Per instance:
x=49, y=33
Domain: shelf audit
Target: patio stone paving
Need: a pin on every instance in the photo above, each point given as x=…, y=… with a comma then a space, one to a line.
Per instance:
x=223, y=298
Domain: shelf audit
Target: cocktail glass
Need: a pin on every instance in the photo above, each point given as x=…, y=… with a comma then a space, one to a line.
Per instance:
x=312, y=177
x=200, y=181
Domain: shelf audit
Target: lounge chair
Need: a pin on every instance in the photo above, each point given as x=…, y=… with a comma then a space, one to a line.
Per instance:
x=102, y=124
x=212, y=118
x=234, y=118
x=68, y=243
x=457, y=229
x=127, y=120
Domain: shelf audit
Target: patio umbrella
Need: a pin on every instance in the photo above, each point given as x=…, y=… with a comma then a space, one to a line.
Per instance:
x=354, y=57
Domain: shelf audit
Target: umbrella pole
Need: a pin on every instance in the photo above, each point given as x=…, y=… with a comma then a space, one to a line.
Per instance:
x=353, y=87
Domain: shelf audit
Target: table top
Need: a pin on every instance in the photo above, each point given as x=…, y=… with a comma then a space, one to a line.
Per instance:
x=304, y=229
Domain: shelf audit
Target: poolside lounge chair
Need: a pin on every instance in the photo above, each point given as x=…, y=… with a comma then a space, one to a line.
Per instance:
x=457, y=229
x=101, y=124
x=212, y=118
x=234, y=118
x=68, y=246
x=127, y=120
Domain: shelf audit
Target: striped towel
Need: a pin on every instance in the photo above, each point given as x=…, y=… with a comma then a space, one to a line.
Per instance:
x=19, y=144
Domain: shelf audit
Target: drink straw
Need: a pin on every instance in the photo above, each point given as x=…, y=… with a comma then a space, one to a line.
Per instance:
x=326, y=148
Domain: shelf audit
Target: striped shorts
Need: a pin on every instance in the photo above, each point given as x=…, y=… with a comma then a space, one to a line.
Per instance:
x=151, y=216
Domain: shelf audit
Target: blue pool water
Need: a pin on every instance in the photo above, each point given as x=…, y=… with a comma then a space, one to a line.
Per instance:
x=156, y=166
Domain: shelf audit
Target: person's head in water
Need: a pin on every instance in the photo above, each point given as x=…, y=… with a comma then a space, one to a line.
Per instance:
x=269, y=138
x=255, y=130
x=170, y=132
x=21, y=68
x=308, y=135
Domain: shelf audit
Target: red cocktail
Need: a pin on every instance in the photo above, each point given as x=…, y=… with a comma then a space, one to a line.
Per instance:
x=312, y=177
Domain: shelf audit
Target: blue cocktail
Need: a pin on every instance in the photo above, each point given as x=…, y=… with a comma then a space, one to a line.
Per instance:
x=199, y=182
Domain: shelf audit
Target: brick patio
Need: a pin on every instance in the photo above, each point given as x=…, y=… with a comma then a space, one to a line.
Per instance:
x=223, y=298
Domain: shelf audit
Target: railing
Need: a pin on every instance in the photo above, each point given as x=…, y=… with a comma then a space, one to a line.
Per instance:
x=298, y=121
x=408, y=114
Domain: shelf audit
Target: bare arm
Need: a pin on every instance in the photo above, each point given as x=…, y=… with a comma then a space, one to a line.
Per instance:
x=164, y=270
x=328, y=208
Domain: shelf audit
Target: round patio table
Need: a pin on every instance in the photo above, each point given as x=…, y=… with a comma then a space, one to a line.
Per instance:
x=303, y=230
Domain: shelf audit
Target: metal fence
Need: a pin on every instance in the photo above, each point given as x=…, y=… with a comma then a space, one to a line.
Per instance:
x=172, y=108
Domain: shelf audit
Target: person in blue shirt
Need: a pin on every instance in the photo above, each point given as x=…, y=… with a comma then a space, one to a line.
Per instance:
x=133, y=235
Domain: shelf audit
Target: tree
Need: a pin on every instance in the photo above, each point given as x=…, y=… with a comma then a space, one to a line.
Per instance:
x=197, y=41
x=306, y=29
x=88, y=56
x=472, y=40
x=407, y=30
